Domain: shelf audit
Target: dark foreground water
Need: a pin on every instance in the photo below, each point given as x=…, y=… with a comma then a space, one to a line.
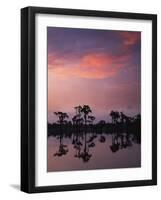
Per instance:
x=91, y=151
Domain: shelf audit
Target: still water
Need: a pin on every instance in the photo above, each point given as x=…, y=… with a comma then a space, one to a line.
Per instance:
x=92, y=151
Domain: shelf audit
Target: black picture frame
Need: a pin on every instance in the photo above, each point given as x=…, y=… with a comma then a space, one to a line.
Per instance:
x=28, y=98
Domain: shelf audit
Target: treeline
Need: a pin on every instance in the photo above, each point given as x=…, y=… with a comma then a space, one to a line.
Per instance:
x=84, y=133
x=83, y=122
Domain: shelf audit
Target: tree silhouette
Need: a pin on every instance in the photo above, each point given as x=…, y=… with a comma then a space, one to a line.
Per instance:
x=61, y=120
x=112, y=114
x=115, y=116
x=61, y=117
x=122, y=117
x=78, y=109
x=77, y=122
x=62, y=150
x=85, y=155
x=91, y=119
x=115, y=144
x=82, y=131
x=86, y=110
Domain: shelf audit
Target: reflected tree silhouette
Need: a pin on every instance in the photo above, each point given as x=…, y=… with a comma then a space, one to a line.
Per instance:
x=82, y=132
x=61, y=120
x=101, y=124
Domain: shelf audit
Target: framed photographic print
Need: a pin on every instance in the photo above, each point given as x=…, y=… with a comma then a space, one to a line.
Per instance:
x=88, y=99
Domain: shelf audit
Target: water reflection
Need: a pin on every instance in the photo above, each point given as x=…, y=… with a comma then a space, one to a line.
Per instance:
x=101, y=145
x=87, y=145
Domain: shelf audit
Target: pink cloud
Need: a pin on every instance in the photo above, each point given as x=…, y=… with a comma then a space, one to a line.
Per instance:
x=92, y=66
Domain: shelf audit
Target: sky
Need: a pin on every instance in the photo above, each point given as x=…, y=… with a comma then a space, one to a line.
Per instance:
x=99, y=68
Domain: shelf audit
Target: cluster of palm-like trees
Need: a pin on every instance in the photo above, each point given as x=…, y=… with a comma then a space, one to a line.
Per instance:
x=82, y=117
x=61, y=116
x=83, y=122
x=120, y=117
